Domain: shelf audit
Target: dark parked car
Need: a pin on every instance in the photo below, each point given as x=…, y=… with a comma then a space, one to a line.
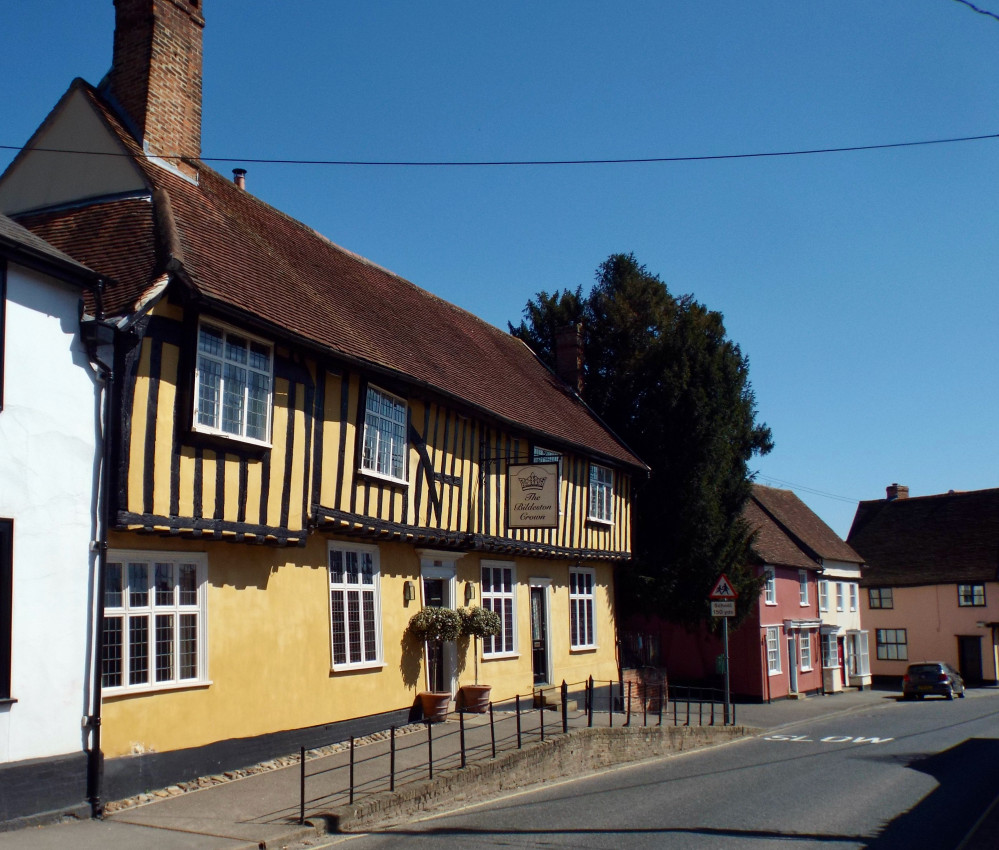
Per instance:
x=932, y=677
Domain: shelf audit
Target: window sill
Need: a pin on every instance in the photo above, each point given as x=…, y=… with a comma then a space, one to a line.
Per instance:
x=225, y=437
x=357, y=668
x=500, y=656
x=5, y=701
x=599, y=521
x=143, y=690
x=380, y=476
x=588, y=648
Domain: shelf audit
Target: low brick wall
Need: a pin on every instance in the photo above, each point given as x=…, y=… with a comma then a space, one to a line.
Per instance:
x=578, y=753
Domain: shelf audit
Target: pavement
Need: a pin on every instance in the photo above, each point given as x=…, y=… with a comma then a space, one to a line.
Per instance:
x=263, y=810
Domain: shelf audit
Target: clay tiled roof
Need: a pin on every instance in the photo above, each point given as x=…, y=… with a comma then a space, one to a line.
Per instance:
x=947, y=538
x=809, y=532
x=30, y=247
x=236, y=253
x=772, y=545
x=789, y=534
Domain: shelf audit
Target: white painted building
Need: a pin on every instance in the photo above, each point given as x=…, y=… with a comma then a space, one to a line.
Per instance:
x=845, y=651
x=49, y=426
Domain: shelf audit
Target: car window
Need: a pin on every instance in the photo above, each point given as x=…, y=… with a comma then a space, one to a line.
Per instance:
x=924, y=668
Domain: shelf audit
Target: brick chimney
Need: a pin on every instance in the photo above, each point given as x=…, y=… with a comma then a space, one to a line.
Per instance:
x=897, y=491
x=155, y=77
x=569, y=355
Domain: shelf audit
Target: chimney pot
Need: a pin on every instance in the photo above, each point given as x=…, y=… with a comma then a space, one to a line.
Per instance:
x=897, y=491
x=569, y=355
x=239, y=177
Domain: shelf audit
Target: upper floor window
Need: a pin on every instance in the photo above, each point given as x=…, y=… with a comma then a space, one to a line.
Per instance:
x=824, y=595
x=542, y=455
x=582, y=604
x=384, y=435
x=233, y=384
x=839, y=596
x=601, y=493
x=880, y=597
x=154, y=620
x=892, y=644
x=971, y=595
x=853, y=596
x=770, y=585
x=803, y=586
x=499, y=595
x=355, y=622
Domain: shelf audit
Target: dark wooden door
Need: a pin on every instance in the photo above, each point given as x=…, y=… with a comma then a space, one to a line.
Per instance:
x=539, y=636
x=969, y=654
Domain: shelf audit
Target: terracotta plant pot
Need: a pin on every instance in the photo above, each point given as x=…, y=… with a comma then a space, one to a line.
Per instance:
x=435, y=705
x=475, y=698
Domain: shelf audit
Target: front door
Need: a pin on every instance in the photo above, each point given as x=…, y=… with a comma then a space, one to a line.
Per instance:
x=842, y=662
x=539, y=635
x=438, y=585
x=969, y=655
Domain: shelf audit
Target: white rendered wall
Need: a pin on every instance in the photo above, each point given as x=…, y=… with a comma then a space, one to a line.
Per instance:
x=47, y=457
x=848, y=573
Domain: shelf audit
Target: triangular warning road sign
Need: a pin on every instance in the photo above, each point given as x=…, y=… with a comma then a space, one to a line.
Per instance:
x=723, y=589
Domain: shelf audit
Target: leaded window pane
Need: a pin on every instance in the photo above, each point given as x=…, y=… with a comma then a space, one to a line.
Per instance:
x=164, y=647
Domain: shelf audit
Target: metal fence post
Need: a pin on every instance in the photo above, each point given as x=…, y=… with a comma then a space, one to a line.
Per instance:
x=565, y=708
x=645, y=704
x=519, y=743
x=351, y=769
x=301, y=791
x=492, y=728
x=461, y=735
x=392, y=760
x=541, y=714
x=610, y=704
x=589, y=702
x=430, y=749
x=661, y=689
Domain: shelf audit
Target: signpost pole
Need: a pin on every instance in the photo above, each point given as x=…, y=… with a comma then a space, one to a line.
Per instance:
x=725, y=644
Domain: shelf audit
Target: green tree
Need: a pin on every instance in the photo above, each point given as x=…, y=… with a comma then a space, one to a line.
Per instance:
x=660, y=371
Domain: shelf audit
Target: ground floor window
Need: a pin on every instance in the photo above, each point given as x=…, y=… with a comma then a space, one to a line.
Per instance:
x=355, y=623
x=773, y=649
x=582, y=598
x=498, y=594
x=805, y=644
x=830, y=653
x=154, y=619
x=892, y=645
x=860, y=661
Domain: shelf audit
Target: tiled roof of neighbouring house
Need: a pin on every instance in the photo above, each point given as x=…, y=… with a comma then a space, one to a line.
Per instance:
x=233, y=251
x=946, y=538
x=29, y=246
x=789, y=533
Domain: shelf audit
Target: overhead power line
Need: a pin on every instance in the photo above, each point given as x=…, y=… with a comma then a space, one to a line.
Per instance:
x=812, y=490
x=542, y=162
x=976, y=9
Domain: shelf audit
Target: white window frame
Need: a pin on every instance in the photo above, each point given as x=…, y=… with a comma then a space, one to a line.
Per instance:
x=769, y=585
x=773, y=650
x=370, y=641
x=839, y=596
x=830, y=650
x=861, y=653
x=217, y=424
x=805, y=649
x=131, y=610
x=824, y=595
x=504, y=603
x=853, y=596
x=803, y=588
x=601, y=494
x=582, y=608
x=380, y=429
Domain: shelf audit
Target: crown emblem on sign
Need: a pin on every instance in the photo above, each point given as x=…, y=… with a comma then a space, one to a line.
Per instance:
x=533, y=482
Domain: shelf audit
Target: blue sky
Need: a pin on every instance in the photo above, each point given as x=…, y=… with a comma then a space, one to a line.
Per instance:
x=862, y=286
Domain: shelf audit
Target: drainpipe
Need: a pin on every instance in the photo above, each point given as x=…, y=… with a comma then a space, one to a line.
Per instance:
x=99, y=337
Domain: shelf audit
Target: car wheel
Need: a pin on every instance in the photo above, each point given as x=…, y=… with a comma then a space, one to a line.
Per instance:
x=950, y=693
x=961, y=695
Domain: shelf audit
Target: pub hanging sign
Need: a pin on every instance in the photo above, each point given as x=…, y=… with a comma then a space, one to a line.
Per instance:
x=532, y=495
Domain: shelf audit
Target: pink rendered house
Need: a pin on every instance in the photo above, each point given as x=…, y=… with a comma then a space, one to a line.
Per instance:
x=781, y=649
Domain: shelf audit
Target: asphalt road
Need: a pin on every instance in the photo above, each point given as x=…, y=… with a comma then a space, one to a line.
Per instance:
x=912, y=775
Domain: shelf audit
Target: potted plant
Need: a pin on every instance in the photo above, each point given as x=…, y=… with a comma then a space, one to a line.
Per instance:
x=479, y=623
x=433, y=626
